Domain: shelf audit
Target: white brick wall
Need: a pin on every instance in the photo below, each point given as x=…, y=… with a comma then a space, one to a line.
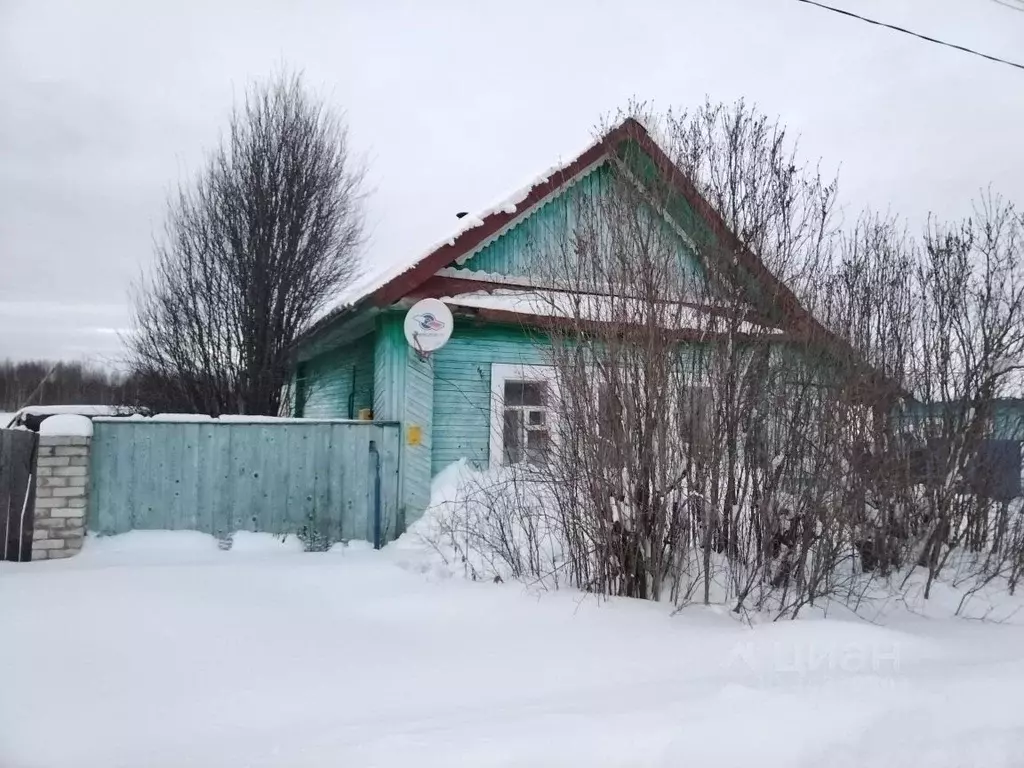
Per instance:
x=62, y=487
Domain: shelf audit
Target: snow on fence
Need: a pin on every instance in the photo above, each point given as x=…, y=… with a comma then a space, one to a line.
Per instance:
x=326, y=481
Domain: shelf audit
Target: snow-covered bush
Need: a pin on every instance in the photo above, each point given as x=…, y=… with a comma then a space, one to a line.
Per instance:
x=496, y=524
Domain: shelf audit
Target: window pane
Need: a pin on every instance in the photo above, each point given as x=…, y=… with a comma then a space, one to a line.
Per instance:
x=536, y=418
x=511, y=436
x=524, y=392
x=537, y=442
x=702, y=413
x=697, y=406
x=609, y=420
x=533, y=392
x=513, y=393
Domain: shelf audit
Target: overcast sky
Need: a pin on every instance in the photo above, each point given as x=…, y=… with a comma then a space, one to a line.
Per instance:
x=105, y=105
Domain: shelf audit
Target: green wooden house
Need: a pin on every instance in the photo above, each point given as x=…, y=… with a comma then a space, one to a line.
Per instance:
x=356, y=360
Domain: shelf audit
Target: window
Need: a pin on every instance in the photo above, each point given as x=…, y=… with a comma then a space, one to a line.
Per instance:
x=697, y=407
x=526, y=436
x=619, y=419
x=521, y=414
x=609, y=414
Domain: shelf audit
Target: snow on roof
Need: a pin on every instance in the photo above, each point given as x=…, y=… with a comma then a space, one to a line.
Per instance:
x=372, y=280
x=592, y=307
x=81, y=410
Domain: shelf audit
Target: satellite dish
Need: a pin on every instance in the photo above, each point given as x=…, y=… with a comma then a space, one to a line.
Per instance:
x=428, y=326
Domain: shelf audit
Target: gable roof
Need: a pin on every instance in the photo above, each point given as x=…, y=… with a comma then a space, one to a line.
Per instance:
x=384, y=287
x=474, y=230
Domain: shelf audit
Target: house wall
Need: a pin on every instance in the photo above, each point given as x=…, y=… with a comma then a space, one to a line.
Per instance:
x=404, y=391
x=444, y=403
x=1007, y=416
x=1009, y=420
x=514, y=251
x=528, y=245
x=462, y=387
x=326, y=382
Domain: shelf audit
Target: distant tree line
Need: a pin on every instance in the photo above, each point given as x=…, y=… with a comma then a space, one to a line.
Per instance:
x=43, y=382
x=46, y=382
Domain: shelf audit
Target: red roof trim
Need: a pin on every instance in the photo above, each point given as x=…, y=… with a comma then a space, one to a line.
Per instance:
x=493, y=224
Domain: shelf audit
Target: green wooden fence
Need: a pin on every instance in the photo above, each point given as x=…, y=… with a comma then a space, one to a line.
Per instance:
x=324, y=480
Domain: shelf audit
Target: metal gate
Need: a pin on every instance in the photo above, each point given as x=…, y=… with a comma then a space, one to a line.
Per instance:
x=17, y=492
x=324, y=480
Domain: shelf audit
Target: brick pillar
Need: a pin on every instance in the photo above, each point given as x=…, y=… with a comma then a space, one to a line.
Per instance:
x=62, y=489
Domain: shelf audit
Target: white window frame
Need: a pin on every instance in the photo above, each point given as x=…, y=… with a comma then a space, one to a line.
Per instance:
x=502, y=372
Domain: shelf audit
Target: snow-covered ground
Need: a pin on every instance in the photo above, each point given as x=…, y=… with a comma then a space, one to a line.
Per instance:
x=160, y=649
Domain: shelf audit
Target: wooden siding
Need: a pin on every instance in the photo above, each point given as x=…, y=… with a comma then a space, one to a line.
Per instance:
x=404, y=391
x=389, y=367
x=329, y=383
x=18, y=449
x=1008, y=420
x=419, y=413
x=547, y=229
x=224, y=477
x=516, y=250
x=462, y=384
x=462, y=387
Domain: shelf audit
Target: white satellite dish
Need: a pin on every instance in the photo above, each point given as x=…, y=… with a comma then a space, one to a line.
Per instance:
x=428, y=326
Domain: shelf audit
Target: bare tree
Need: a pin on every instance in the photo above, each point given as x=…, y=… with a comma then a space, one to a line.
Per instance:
x=252, y=250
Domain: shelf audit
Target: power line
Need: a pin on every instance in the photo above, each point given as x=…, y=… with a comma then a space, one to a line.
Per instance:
x=1012, y=6
x=912, y=33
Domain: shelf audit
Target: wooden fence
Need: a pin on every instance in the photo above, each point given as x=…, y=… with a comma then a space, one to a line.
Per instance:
x=17, y=492
x=325, y=480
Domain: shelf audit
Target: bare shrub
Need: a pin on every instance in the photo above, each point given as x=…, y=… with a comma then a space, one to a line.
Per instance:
x=692, y=444
x=499, y=527
x=720, y=435
x=968, y=357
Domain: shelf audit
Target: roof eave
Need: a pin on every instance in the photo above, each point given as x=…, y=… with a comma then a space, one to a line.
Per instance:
x=346, y=322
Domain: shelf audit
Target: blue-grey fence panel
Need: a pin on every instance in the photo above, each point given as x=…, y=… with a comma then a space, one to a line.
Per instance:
x=312, y=477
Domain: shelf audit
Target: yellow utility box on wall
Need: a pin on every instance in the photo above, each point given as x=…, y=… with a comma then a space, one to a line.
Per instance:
x=414, y=434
